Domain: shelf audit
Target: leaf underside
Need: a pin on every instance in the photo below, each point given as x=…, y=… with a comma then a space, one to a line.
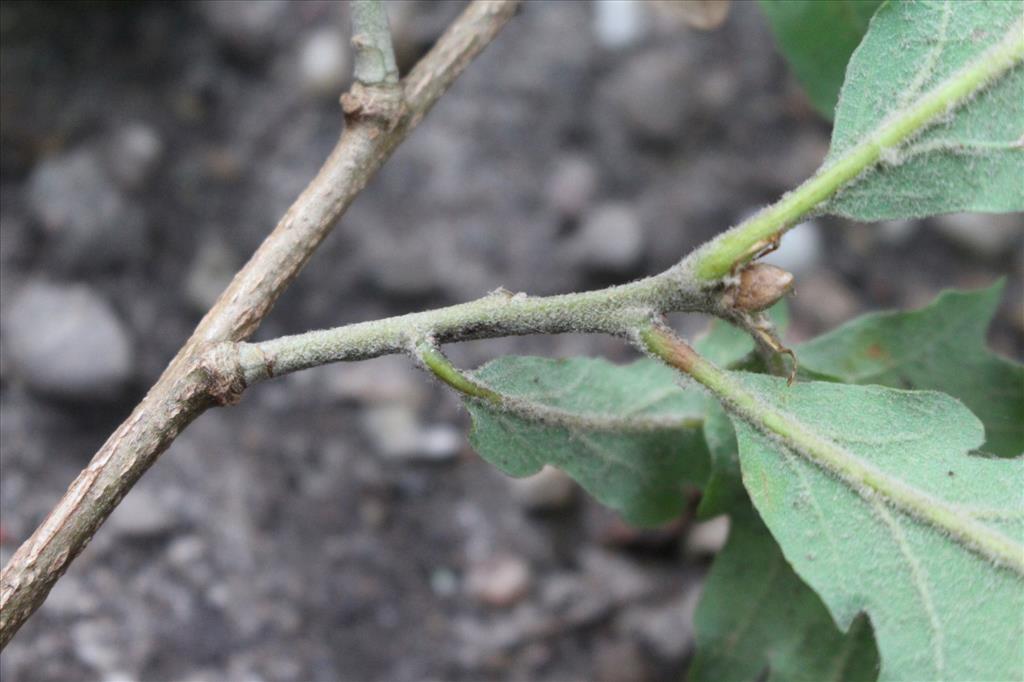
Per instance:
x=607, y=425
x=940, y=347
x=940, y=610
x=628, y=434
x=973, y=159
x=756, y=614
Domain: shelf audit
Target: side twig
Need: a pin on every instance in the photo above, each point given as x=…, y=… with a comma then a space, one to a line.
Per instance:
x=188, y=387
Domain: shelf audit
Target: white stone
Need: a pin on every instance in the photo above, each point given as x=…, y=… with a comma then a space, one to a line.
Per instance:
x=67, y=341
x=708, y=537
x=611, y=238
x=324, y=62
x=549, y=489
x=618, y=23
x=499, y=581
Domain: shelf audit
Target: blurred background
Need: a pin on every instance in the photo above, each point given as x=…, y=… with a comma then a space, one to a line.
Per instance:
x=335, y=525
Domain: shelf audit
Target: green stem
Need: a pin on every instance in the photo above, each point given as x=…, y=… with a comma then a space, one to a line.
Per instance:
x=866, y=480
x=434, y=360
x=371, y=38
x=717, y=258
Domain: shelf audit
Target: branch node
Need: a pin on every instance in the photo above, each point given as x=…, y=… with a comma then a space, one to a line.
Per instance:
x=383, y=105
x=225, y=378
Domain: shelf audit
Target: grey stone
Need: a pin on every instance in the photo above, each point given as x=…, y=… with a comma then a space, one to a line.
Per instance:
x=610, y=239
x=897, y=232
x=324, y=63
x=706, y=538
x=396, y=433
x=440, y=442
x=245, y=26
x=620, y=661
x=212, y=268
x=550, y=489
x=15, y=240
x=67, y=341
x=617, y=578
x=393, y=430
x=649, y=94
x=389, y=379
x=133, y=154
x=666, y=630
x=70, y=597
x=499, y=581
x=984, y=235
x=97, y=643
x=618, y=23
x=142, y=514
x=572, y=185
x=88, y=222
x=825, y=297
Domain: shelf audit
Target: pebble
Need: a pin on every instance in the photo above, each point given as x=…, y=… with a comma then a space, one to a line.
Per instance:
x=396, y=433
x=381, y=381
x=142, y=514
x=211, y=270
x=132, y=155
x=826, y=298
x=666, y=630
x=707, y=538
x=245, y=26
x=499, y=581
x=620, y=661
x=984, y=235
x=324, y=63
x=550, y=489
x=88, y=222
x=15, y=240
x=392, y=429
x=67, y=341
x=440, y=442
x=649, y=93
x=70, y=597
x=572, y=186
x=897, y=232
x=618, y=23
x=96, y=643
x=610, y=239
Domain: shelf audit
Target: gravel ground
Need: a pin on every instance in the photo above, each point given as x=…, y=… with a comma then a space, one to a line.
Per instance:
x=335, y=525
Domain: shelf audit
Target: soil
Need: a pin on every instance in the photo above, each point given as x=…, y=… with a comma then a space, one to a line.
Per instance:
x=294, y=537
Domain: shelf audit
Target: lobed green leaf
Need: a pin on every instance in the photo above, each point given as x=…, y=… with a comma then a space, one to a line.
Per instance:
x=940, y=347
x=973, y=159
x=943, y=601
x=757, y=616
x=628, y=434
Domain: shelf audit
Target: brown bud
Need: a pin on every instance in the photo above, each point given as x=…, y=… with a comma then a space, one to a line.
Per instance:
x=760, y=286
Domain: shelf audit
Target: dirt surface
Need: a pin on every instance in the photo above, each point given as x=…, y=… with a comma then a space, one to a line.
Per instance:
x=335, y=525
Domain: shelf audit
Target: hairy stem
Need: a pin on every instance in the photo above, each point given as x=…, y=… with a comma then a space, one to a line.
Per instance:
x=192, y=381
x=371, y=38
x=609, y=311
x=214, y=367
x=434, y=360
x=866, y=480
x=718, y=257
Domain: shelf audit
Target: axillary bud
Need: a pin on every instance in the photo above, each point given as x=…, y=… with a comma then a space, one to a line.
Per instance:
x=760, y=286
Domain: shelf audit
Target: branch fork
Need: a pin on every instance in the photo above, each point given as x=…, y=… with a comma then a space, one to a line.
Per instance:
x=215, y=365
